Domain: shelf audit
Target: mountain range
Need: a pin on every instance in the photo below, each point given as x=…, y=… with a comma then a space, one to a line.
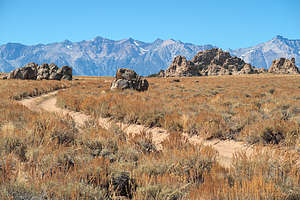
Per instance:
x=263, y=54
x=102, y=57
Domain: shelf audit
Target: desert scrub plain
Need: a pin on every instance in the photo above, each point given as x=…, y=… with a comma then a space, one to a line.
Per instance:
x=255, y=109
x=43, y=155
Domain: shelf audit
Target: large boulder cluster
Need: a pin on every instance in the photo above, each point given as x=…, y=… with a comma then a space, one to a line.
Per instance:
x=129, y=79
x=209, y=63
x=284, y=66
x=33, y=71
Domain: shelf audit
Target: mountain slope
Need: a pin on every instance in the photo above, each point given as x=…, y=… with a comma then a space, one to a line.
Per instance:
x=263, y=54
x=99, y=56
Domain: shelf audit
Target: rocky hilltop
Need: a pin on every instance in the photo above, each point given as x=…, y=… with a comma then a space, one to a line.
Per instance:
x=210, y=62
x=284, y=66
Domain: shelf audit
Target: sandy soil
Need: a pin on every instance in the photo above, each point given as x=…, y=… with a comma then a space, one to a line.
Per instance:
x=226, y=148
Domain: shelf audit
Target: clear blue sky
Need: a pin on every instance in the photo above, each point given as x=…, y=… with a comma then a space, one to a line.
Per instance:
x=225, y=23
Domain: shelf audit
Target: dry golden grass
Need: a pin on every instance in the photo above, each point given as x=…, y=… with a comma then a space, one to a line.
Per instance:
x=43, y=155
x=255, y=109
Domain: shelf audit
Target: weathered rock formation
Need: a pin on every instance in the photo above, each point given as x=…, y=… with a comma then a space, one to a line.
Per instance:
x=284, y=66
x=65, y=73
x=210, y=63
x=181, y=67
x=32, y=71
x=161, y=73
x=29, y=72
x=129, y=79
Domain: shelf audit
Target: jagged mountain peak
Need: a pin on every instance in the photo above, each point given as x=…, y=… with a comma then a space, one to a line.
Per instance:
x=97, y=38
x=279, y=37
x=66, y=41
x=130, y=39
x=158, y=40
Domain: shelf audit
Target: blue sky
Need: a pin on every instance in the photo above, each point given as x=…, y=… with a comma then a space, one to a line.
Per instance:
x=224, y=23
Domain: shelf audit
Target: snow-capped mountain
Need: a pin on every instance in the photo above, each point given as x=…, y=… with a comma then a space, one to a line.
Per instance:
x=102, y=57
x=99, y=56
x=263, y=54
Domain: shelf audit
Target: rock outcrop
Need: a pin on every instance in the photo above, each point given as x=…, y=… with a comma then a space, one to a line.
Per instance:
x=32, y=71
x=161, y=73
x=65, y=73
x=284, y=66
x=129, y=79
x=180, y=67
x=210, y=63
x=27, y=72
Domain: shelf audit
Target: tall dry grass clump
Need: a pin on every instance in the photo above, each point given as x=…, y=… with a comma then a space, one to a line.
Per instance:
x=267, y=173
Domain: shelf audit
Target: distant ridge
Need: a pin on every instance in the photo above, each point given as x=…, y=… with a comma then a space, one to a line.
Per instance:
x=102, y=56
